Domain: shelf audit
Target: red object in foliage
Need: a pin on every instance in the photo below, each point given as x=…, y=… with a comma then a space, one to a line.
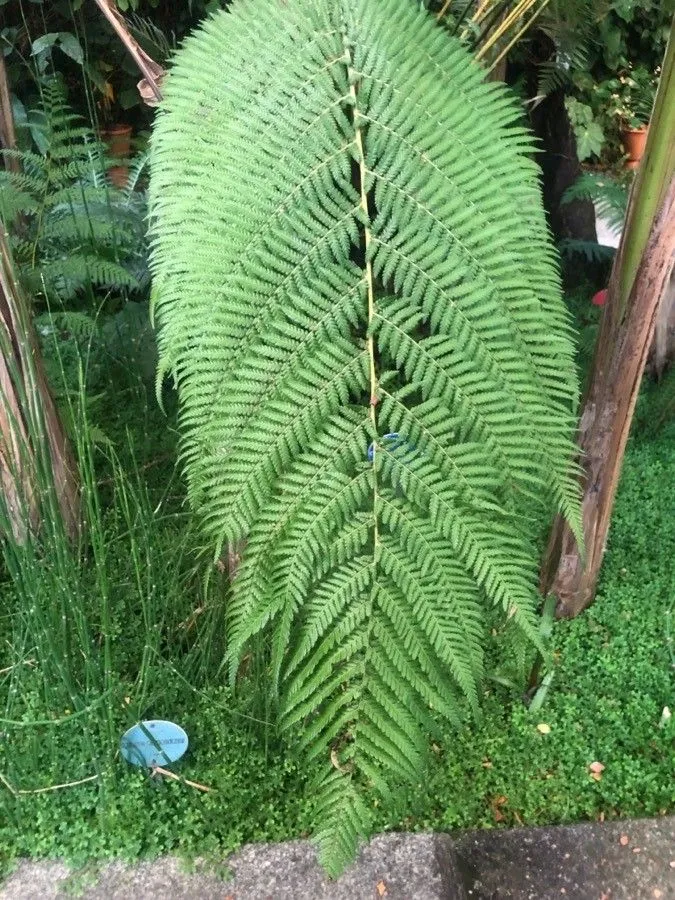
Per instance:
x=600, y=298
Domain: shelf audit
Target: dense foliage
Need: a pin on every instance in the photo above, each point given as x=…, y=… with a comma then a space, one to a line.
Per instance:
x=123, y=626
x=615, y=85
x=357, y=298
x=73, y=38
x=71, y=229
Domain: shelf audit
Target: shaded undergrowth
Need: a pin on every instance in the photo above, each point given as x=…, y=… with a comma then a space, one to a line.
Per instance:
x=125, y=628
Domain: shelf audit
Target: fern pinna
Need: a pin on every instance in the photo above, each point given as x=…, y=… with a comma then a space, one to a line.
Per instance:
x=357, y=297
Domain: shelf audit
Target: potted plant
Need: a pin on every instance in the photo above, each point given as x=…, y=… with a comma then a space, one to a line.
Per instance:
x=118, y=140
x=115, y=133
x=633, y=99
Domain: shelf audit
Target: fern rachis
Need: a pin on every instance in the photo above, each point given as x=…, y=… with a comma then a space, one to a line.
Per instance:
x=349, y=244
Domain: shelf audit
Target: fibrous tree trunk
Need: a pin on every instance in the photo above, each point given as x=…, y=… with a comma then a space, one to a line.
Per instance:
x=663, y=348
x=31, y=433
x=638, y=287
x=33, y=443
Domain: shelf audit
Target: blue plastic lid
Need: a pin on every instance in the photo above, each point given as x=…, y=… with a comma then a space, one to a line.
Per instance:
x=393, y=439
x=153, y=743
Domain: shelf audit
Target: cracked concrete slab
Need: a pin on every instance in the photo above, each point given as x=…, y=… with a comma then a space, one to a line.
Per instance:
x=393, y=866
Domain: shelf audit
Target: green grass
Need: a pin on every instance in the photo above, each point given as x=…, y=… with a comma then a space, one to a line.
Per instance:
x=613, y=675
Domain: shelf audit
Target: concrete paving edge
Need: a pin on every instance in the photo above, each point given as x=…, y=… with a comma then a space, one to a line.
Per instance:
x=625, y=860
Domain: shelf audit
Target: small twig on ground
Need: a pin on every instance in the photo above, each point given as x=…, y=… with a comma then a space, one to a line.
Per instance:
x=44, y=790
x=10, y=787
x=153, y=462
x=24, y=662
x=158, y=770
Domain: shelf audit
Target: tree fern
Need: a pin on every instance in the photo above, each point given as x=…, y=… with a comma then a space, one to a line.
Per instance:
x=571, y=25
x=357, y=297
x=71, y=230
x=609, y=196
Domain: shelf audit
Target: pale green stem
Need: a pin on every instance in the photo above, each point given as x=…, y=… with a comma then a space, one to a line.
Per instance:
x=653, y=177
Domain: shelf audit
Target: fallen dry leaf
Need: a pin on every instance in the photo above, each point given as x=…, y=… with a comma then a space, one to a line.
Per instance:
x=623, y=840
x=658, y=893
x=596, y=769
x=496, y=803
x=543, y=728
x=381, y=888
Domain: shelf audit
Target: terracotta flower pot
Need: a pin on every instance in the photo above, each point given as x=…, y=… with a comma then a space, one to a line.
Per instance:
x=118, y=139
x=634, y=141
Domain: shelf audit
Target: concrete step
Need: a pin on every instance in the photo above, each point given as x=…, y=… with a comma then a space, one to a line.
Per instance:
x=629, y=860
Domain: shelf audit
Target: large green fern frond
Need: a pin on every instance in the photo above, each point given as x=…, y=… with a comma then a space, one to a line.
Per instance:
x=359, y=301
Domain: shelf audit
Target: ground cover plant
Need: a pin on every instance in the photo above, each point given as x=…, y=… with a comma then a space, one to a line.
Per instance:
x=613, y=676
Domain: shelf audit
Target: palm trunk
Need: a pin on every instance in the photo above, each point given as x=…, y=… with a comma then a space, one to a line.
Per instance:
x=638, y=286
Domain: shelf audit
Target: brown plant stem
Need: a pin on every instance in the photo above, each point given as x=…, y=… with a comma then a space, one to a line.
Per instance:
x=623, y=346
x=29, y=420
x=149, y=85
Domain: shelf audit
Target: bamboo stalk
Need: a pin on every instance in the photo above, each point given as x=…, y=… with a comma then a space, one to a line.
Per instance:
x=518, y=12
x=445, y=8
x=518, y=35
